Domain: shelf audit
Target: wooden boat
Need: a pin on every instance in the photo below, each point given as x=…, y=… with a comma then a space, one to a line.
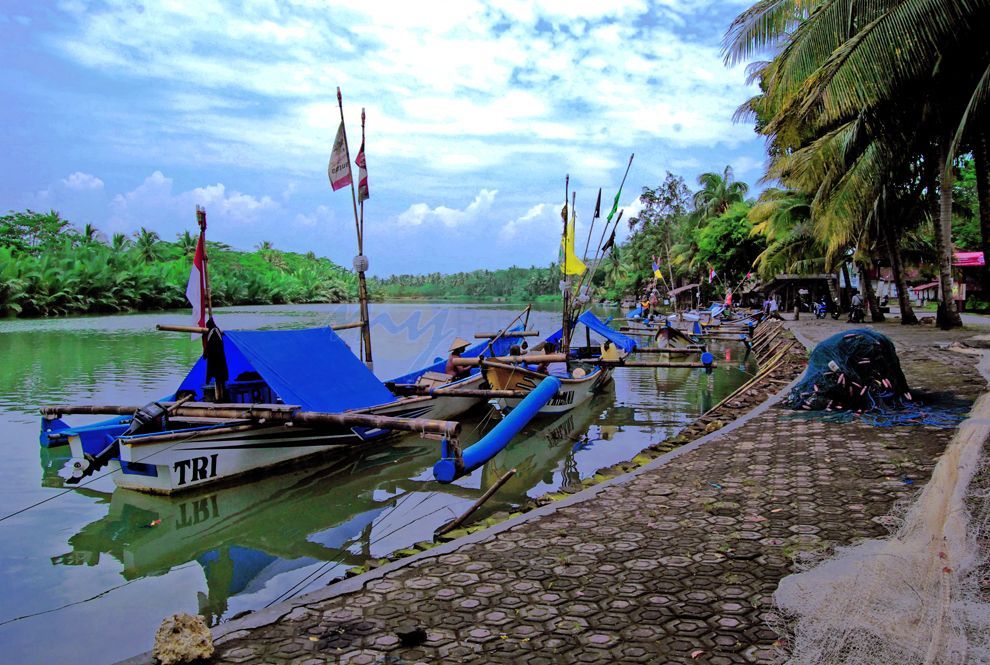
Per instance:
x=577, y=386
x=296, y=394
x=579, y=379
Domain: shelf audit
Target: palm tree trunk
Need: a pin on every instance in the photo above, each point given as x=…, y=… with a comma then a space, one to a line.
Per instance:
x=866, y=283
x=943, y=241
x=844, y=291
x=908, y=316
x=983, y=195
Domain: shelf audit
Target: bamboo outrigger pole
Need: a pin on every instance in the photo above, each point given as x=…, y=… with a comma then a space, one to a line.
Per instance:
x=360, y=261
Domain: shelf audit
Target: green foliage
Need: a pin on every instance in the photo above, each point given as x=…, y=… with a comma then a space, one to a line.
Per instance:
x=514, y=284
x=686, y=233
x=29, y=230
x=49, y=269
x=726, y=242
x=965, y=208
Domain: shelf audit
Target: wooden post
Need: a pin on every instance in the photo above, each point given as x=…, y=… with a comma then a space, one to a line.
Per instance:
x=450, y=526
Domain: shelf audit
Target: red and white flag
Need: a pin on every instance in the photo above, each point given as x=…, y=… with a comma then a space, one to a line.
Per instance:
x=339, y=169
x=362, y=175
x=196, y=288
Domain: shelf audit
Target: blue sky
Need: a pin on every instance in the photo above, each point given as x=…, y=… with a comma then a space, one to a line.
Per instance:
x=125, y=114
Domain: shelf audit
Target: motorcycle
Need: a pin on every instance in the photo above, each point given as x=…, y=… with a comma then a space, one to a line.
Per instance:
x=825, y=308
x=857, y=314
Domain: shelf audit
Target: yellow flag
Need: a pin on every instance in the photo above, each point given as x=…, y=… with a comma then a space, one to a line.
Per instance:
x=571, y=264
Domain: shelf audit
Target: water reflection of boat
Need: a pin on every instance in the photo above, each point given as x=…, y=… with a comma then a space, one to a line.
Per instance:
x=244, y=536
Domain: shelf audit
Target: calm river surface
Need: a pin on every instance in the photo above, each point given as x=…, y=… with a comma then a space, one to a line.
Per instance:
x=88, y=575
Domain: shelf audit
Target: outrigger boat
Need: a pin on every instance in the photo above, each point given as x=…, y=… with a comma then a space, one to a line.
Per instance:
x=296, y=393
x=579, y=379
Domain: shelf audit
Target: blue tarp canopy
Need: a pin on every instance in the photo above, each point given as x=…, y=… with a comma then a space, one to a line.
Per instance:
x=627, y=344
x=313, y=368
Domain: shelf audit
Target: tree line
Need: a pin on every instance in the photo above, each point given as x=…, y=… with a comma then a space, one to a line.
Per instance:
x=48, y=267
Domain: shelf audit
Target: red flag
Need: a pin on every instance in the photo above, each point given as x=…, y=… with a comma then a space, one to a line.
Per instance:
x=339, y=168
x=196, y=288
x=362, y=176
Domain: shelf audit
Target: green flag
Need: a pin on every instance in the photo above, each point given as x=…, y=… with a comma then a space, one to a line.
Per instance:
x=615, y=206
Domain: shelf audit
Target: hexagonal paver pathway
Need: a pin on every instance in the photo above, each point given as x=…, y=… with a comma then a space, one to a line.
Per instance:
x=675, y=565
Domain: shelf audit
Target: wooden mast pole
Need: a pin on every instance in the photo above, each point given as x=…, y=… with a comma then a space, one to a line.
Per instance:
x=565, y=339
x=359, y=261
x=201, y=220
x=362, y=260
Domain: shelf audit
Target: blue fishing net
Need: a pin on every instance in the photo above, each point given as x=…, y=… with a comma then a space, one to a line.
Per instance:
x=856, y=375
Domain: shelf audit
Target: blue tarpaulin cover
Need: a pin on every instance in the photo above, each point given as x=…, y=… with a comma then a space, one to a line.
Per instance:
x=313, y=368
x=624, y=342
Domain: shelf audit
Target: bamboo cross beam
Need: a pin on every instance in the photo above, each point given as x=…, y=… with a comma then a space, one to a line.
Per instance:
x=164, y=327
x=277, y=413
x=347, y=326
x=167, y=327
x=509, y=333
x=537, y=358
x=648, y=363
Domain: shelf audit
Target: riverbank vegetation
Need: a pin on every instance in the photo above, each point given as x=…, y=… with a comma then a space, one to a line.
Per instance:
x=510, y=284
x=49, y=268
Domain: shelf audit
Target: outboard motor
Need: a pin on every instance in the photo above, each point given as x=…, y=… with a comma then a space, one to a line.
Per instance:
x=149, y=418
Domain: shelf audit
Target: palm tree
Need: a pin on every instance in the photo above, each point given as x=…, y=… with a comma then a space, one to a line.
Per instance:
x=783, y=218
x=718, y=192
x=119, y=242
x=187, y=243
x=146, y=243
x=868, y=77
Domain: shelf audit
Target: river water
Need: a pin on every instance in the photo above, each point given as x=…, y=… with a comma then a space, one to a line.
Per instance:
x=88, y=574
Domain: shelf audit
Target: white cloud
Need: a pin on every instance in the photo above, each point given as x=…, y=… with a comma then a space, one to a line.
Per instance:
x=539, y=216
x=154, y=204
x=420, y=213
x=82, y=181
x=480, y=78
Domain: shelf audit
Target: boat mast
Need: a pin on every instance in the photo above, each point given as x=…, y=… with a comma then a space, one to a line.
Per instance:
x=201, y=220
x=360, y=261
x=565, y=339
x=361, y=264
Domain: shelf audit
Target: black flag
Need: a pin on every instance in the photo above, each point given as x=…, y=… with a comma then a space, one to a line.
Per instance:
x=598, y=205
x=608, y=243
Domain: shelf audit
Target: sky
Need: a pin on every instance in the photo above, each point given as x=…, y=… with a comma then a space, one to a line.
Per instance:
x=126, y=114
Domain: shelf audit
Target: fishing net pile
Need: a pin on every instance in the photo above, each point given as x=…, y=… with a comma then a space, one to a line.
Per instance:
x=856, y=375
x=920, y=596
x=853, y=371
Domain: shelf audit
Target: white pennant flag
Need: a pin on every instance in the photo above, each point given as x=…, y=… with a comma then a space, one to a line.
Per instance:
x=339, y=169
